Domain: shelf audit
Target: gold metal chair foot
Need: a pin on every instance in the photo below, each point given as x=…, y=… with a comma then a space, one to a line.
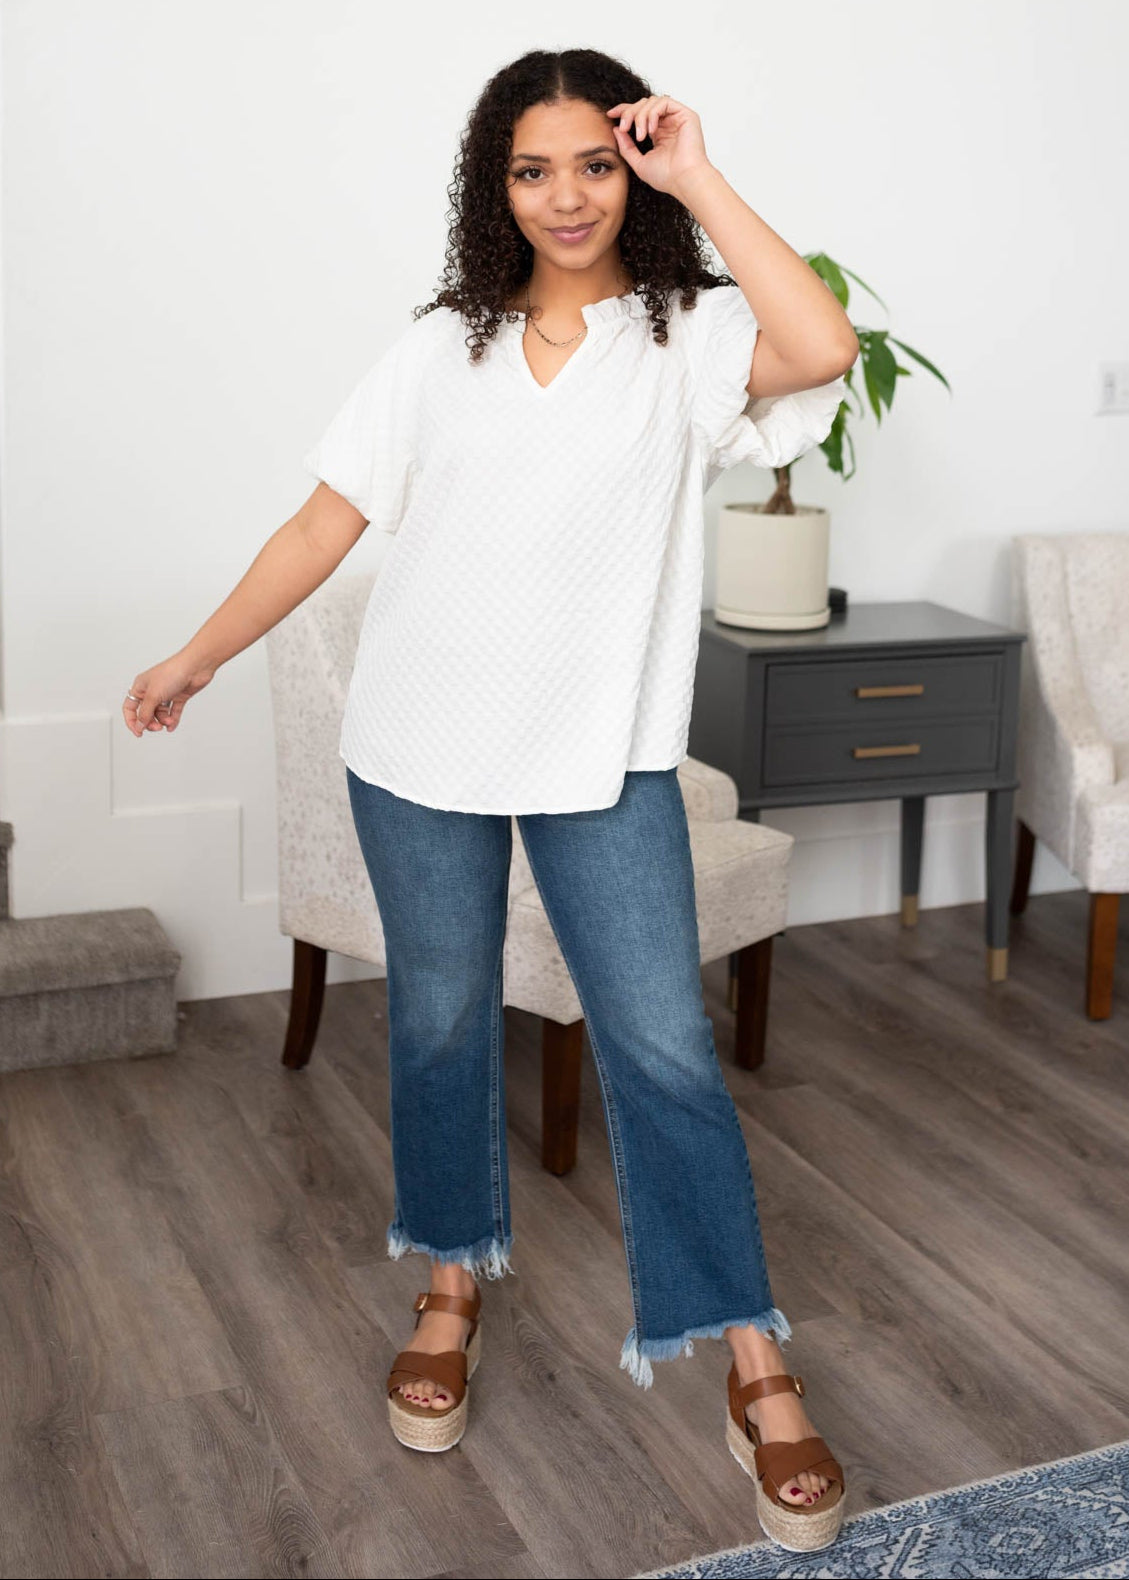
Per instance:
x=909, y=910
x=997, y=965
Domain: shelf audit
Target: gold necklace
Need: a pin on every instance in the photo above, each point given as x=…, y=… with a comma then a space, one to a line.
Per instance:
x=541, y=332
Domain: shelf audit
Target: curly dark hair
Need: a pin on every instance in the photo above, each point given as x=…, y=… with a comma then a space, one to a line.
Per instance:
x=488, y=258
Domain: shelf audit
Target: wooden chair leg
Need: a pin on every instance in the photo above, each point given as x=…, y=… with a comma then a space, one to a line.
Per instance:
x=1100, y=952
x=306, y=993
x=1024, y=856
x=754, y=968
x=561, y=1050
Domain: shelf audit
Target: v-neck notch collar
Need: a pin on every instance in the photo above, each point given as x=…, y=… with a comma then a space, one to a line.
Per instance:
x=610, y=310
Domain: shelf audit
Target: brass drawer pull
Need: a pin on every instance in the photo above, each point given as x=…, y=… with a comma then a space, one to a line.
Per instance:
x=889, y=691
x=886, y=751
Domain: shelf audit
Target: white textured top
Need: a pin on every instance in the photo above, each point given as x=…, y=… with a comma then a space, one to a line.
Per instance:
x=533, y=631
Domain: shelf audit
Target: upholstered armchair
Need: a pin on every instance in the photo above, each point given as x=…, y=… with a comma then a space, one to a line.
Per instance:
x=326, y=900
x=1070, y=592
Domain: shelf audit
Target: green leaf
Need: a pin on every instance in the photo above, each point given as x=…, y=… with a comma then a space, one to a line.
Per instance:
x=849, y=378
x=866, y=287
x=829, y=272
x=917, y=357
x=878, y=367
x=832, y=272
x=832, y=446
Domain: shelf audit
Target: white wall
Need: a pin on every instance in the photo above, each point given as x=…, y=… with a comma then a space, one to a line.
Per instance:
x=214, y=217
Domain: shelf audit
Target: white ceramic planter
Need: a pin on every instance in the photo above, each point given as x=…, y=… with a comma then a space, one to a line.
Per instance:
x=772, y=570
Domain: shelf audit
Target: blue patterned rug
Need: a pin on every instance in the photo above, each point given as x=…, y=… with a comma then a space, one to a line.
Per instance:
x=1068, y=1519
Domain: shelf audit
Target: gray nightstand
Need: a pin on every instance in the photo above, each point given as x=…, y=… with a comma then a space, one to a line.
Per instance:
x=890, y=700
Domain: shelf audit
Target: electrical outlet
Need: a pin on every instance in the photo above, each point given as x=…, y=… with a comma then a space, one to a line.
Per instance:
x=1114, y=387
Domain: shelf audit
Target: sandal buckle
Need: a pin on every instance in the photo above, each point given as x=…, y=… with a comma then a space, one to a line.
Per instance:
x=799, y=1382
x=420, y=1302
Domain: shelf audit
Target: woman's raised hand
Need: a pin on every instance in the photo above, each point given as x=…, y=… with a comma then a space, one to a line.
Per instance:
x=678, y=148
x=159, y=694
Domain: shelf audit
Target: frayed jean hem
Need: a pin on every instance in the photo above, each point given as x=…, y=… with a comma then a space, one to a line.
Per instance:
x=485, y=1258
x=637, y=1354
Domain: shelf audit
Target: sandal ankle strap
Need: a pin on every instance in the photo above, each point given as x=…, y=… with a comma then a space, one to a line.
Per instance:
x=762, y=1387
x=457, y=1305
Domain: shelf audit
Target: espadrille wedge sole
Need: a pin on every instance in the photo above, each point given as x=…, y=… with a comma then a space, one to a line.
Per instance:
x=419, y=1426
x=801, y=1528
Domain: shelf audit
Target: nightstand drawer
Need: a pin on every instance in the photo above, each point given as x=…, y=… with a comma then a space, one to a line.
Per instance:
x=838, y=754
x=875, y=691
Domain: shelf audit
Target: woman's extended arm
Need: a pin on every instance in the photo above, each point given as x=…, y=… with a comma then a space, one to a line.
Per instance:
x=290, y=565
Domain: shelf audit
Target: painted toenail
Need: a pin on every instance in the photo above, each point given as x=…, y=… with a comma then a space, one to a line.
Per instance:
x=795, y=1491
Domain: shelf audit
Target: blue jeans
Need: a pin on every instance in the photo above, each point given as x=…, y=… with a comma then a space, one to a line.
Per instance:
x=618, y=888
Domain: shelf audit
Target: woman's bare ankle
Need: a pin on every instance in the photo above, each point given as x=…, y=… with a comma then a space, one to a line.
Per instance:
x=449, y=1278
x=756, y=1353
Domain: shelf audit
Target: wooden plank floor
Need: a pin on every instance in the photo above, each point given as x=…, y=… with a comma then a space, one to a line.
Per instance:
x=197, y=1311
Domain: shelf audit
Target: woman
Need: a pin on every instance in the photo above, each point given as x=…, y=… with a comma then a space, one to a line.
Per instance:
x=538, y=442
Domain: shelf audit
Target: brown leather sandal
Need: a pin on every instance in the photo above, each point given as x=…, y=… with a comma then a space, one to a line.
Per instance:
x=801, y=1527
x=418, y=1425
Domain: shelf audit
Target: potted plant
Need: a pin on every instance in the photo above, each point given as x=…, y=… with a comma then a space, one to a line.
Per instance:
x=772, y=558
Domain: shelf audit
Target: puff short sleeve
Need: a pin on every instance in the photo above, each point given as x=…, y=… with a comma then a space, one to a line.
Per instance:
x=729, y=425
x=368, y=454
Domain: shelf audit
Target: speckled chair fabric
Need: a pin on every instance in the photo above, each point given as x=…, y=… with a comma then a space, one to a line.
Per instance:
x=326, y=900
x=1070, y=593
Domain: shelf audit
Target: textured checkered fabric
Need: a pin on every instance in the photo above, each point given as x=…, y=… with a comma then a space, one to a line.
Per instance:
x=533, y=632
